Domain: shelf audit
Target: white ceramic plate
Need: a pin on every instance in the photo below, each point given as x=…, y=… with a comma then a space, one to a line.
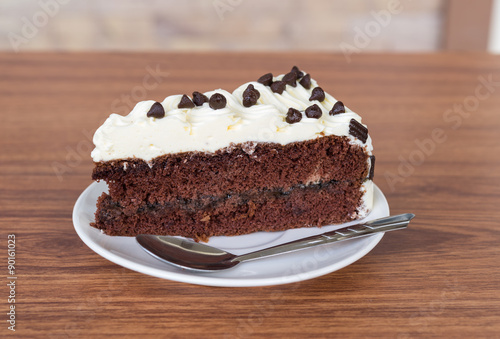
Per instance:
x=286, y=268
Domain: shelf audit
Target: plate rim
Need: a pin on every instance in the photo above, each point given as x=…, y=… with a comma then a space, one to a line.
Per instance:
x=197, y=278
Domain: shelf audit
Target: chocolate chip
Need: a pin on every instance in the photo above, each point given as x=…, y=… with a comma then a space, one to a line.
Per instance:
x=185, y=102
x=317, y=94
x=306, y=81
x=266, y=79
x=278, y=87
x=297, y=71
x=313, y=112
x=372, y=167
x=156, y=111
x=337, y=108
x=293, y=115
x=357, y=130
x=250, y=96
x=199, y=98
x=217, y=101
x=290, y=79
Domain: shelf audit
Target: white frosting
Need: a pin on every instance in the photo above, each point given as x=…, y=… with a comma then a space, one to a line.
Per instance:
x=204, y=129
x=366, y=200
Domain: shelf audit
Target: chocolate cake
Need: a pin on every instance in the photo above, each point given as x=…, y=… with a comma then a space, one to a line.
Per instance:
x=276, y=154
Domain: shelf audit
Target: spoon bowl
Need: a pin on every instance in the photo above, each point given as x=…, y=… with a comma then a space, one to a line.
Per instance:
x=186, y=253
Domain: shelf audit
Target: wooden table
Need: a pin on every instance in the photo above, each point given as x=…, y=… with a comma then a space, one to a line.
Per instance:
x=435, y=123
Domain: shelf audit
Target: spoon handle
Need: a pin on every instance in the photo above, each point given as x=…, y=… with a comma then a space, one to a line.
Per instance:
x=391, y=223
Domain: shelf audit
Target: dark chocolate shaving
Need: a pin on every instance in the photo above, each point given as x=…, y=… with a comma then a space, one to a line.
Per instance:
x=337, y=108
x=266, y=79
x=317, y=94
x=357, y=130
x=297, y=71
x=217, y=101
x=306, y=81
x=156, y=111
x=372, y=167
x=278, y=87
x=250, y=96
x=199, y=98
x=290, y=79
x=293, y=115
x=185, y=102
x=313, y=112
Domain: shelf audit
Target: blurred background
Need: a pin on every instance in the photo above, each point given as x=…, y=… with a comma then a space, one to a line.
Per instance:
x=158, y=25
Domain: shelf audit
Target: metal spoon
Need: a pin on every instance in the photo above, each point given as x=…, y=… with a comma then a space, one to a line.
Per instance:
x=193, y=255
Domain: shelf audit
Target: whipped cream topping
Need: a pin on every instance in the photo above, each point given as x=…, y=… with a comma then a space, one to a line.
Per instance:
x=204, y=129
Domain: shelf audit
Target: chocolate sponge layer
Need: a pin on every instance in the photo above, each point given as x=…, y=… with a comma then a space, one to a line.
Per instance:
x=267, y=210
x=237, y=190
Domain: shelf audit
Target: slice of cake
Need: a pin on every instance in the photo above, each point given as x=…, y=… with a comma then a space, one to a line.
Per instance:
x=278, y=153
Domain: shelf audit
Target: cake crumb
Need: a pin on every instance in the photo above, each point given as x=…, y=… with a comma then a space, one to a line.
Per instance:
x=249, y=147
x=202, y=238
x=251, y=209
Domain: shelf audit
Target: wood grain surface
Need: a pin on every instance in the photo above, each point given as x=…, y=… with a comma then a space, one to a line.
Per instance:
x=435, y=123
